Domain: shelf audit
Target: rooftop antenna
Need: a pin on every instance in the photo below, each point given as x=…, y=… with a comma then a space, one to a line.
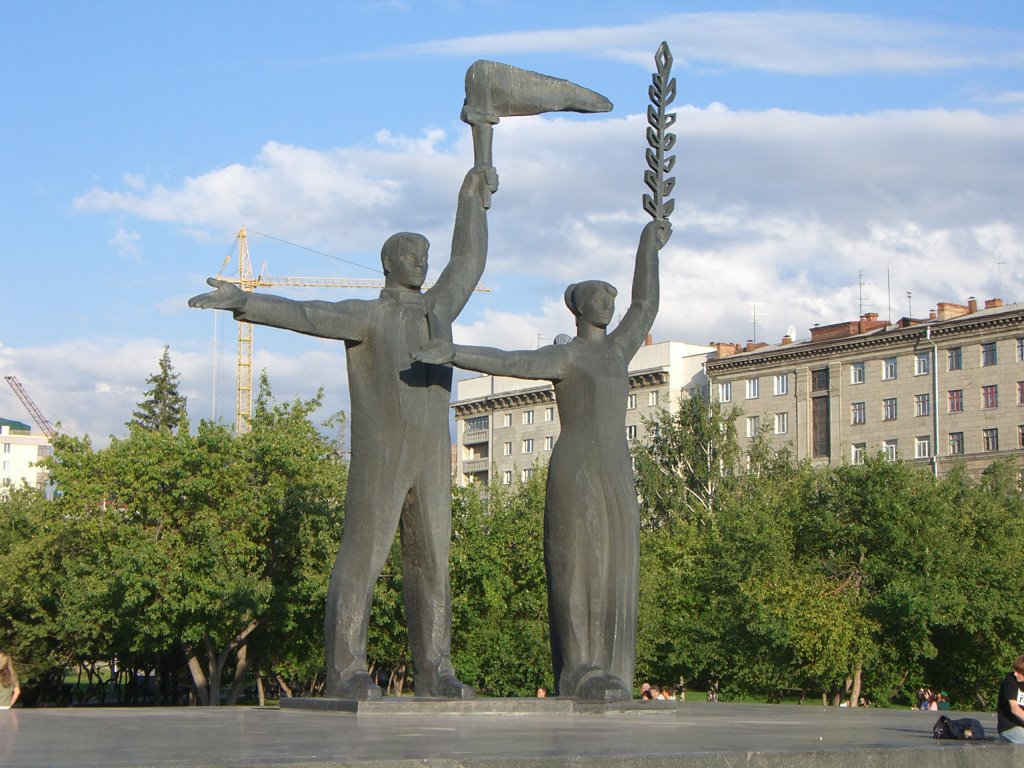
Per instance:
x=888, y=291
x=910, y=304
x=860, y=292
x=753, y=321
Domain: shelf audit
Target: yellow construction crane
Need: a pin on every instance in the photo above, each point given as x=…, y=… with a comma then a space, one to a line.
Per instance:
x=247, y=282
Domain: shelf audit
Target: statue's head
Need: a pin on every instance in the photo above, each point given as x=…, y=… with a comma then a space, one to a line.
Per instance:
x=593, y=301
x=404, y=259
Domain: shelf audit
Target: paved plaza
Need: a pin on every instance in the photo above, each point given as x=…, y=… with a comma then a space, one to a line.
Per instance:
x=695, y=735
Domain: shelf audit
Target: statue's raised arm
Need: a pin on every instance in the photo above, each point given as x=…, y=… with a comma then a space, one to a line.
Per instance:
x=643, y=306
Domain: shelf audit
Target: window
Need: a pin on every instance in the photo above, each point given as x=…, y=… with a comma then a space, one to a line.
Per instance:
x=508, y=420
x=858, y=450
x=526, y=474
x=922, y=404
x=955, y=400
x=506, y=477
x=781, y=383
x=631, y=432
x=858, y=413
x=652, y=398
x=1020, y=393
x=819, y=380
x=507, y=449
x=630, y=401
x=753, y=426
x=781, y=423
x=7, y=447
x=1020, y=436
x=821, y=429
x=956, y=443
x=549, y=414
x=889, y=409
x=990, y=396
x=988, y=354
x=527, y=417
x=725, y=392
x=922, y=447
x=528, y=445
x=922, y=363
x=954, y=359
x=889, y=368
x=857, y=373
x=990, y=439
x=753, y=389
x=549, y=442
x=1020, y=350
x=891, y=449
x=476, y=424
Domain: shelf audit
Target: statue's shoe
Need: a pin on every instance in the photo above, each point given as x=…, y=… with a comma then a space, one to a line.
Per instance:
x=358, y=686
x=447, y=687
x=597, y=685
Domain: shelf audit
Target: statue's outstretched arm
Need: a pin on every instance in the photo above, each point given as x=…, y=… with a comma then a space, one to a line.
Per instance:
x=331, y=320
x=643, y=306
x=547, y=363
x=469, y=245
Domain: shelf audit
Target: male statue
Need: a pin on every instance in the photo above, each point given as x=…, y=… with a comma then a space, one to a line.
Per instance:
x=400, y=476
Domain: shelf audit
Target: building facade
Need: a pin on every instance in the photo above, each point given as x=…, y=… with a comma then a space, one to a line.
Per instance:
x=506, y=427
x=20, y=452
x=941, y=391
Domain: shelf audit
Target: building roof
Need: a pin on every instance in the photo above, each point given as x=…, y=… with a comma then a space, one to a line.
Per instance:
x=864, y=332
x=15, y=425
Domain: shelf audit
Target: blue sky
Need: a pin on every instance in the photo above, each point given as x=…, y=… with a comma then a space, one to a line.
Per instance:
x=832, y=157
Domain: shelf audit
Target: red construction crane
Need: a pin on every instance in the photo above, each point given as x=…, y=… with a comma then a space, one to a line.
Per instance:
x=31, y=407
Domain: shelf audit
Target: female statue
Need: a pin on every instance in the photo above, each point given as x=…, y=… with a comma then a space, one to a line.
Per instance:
x=591, y=516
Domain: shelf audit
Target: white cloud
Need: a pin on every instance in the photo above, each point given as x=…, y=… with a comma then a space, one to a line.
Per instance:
x=809, y=218
x=91, y=386
x=795, y=42
x=126, y=243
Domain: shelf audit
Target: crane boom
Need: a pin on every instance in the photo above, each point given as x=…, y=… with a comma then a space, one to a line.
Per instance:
x=31, y=407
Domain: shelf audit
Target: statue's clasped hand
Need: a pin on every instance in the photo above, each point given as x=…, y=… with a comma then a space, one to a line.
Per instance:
x=485, y=178
x=436, y=352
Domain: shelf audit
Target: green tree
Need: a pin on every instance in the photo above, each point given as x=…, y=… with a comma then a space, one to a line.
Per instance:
x=689, y=456
x=499, y=599
x=164, y=406
x=215, y=545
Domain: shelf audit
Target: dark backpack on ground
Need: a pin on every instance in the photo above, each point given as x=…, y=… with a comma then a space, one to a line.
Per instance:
x=965, y=728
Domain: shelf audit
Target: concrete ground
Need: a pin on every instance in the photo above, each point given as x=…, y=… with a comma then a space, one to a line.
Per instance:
x=695, y=735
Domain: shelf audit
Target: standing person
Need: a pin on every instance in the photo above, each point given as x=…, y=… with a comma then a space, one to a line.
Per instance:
x=1010, y=708
x=400, y=475
x=591, y=514
x=10, y=690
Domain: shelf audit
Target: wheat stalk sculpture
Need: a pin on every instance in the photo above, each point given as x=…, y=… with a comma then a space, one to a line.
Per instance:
x=659, y=203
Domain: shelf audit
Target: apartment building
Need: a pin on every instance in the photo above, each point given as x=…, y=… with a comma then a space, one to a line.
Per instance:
x=505, y=427
x=939, y=391
x=20, y=451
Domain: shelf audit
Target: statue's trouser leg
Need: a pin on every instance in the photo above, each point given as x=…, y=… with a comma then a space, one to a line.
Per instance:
x=426, y=534
x=371, y=519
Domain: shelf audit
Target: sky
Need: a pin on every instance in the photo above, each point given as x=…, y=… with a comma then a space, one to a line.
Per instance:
x=832, y=159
